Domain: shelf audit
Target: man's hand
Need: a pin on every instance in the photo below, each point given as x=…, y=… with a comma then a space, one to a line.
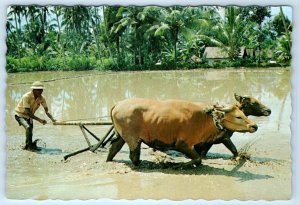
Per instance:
x=49, y=115
x=43, y=121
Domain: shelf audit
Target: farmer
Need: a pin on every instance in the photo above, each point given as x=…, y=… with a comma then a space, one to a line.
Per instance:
x=25, y=110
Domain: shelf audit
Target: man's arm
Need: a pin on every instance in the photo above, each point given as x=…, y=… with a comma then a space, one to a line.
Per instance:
x=31, y=115
x=49, y=115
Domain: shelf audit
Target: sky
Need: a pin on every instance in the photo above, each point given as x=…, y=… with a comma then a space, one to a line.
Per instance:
x=287, y=10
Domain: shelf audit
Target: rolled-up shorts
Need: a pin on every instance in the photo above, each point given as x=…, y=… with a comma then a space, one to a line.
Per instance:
x=23, y=121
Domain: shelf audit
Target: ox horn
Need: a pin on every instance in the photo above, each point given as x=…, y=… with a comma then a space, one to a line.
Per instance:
x=209, y=109
x=218, y=107
x=226, y=109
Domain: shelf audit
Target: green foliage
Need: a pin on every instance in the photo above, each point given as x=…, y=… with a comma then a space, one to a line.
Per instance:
x=41, y=63
x=32, y=63
x=140, y=38
x=283, y=50
x=81, y=63
x=12, y=64
x=107, y=64
x=278, y=26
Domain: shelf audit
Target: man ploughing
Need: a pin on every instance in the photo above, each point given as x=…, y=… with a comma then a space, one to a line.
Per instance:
x=25, y=110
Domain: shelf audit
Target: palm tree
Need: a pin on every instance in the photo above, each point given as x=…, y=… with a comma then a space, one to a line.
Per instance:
x=57, y=11
x=111, y=17
x=95, y=22
x=152, y=19
x=230, y=31
x=15, y=14
x=132, y=20
x=42, y=30
x=256, y=15
x=286, y=29
x=283, y=50
x=76, y=25
x=178, y=22
x=171, y=26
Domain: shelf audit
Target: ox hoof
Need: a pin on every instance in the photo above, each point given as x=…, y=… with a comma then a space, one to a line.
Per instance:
x=203, y=156
x=241, y=157
x=235, y=158
x=188, y=165
x=136, y=163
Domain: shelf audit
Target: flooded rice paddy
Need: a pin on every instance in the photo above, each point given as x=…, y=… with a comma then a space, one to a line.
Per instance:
x=88, y=96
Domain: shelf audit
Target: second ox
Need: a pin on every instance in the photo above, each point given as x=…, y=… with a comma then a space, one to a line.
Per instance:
x=249, y=106
x=172, y=124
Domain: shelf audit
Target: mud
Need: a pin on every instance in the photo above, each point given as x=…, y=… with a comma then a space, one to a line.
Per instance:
x=263, y=170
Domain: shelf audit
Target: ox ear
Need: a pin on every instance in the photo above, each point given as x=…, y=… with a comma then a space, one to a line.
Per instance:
x=238, y=97
x=242, y=99
x=218, y=117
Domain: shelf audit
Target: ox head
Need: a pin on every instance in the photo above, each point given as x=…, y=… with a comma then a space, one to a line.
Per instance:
x=251, y=106
x=231, y=118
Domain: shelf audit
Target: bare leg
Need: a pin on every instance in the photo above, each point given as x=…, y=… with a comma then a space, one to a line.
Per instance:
x=28, y=126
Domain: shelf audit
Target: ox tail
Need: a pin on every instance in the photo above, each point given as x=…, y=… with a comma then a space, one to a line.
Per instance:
x=117, y=135
x=112, y=120
x=116, y=143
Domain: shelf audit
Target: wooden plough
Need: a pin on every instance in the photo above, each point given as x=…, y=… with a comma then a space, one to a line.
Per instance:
x=82, y=125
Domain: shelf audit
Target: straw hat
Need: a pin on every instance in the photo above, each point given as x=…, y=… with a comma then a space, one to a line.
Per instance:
x=37, y=85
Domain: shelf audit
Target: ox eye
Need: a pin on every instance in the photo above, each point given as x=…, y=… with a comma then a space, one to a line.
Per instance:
x=239, y=118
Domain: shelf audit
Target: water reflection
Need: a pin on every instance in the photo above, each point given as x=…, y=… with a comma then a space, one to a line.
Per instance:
x=91, y=96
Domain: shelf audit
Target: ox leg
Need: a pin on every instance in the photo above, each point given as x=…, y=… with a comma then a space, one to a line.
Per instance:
x=229, y=144
x=115, y=147
x=202, y=150
x=190, y=153
x=135, y=153
x=205, y=150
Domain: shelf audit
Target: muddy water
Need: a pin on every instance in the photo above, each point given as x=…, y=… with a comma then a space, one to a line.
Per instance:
x=89, y=96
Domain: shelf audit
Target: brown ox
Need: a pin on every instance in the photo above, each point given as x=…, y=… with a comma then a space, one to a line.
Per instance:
x=172, y=124
x=249, y=106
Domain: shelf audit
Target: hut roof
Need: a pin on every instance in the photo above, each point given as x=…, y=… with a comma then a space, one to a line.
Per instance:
x=215, y=52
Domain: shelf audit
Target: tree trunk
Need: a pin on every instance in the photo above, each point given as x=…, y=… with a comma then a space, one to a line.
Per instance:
x=259, y=43
x=18, y=37
x=61, y=47
x=285, y=27
x=175, y=48
x=140, y=55
x=135, y=48
x=109, y=43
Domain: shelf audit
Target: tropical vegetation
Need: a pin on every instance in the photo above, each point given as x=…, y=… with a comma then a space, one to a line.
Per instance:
x=142, y=38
